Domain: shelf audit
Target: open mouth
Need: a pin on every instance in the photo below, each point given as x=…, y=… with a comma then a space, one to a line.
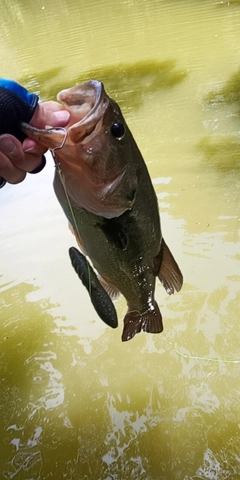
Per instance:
x=87, y=103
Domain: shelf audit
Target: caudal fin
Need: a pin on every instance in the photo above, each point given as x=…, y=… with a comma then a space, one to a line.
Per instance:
x=134, y=322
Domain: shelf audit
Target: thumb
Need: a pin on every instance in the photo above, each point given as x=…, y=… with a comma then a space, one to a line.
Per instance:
x=50, y=113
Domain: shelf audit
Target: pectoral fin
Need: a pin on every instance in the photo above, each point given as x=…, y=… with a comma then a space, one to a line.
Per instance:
x=169, y=272
x=99, y=297
x=115, y=233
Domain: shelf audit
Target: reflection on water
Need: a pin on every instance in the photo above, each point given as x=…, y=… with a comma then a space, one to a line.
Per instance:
x=224, y=153
x=130, y=85
x=75, y=402
x=229, y=93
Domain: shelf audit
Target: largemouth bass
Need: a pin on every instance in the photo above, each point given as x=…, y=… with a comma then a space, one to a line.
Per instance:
x=107, y=195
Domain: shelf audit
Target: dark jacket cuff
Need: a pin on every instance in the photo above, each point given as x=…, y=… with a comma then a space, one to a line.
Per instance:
x=14, y=110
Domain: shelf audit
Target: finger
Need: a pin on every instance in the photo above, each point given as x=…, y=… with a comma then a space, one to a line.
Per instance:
x=11, y=146
x=50, y=113
x=32, y=162
x=15, y=160
x=34, y=155
x=9, y=172
x=40, y=167
x=30, y=146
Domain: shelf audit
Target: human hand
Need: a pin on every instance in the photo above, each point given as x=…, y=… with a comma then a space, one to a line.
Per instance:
x=16, y=158
x=17, y=105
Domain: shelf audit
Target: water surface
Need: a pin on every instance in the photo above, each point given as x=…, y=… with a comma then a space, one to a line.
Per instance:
x=75, y=402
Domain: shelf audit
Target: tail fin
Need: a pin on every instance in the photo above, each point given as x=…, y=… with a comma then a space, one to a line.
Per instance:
x=134, y=322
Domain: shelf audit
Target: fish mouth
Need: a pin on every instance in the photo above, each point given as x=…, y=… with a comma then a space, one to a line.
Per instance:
x=87, y=103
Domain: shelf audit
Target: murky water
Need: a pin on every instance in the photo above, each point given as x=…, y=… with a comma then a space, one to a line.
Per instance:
x=75, y=402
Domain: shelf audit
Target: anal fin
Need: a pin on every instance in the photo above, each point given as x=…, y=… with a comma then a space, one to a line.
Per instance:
x=112, y=291
x=169, y=272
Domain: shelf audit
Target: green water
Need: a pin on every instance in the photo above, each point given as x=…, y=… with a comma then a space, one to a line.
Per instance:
x=76, y=403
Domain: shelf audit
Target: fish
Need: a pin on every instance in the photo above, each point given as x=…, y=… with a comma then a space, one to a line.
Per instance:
x=104, y=188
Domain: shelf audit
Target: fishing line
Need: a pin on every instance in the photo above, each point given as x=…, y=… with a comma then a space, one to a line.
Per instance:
x=60, y=173
x=195, y=357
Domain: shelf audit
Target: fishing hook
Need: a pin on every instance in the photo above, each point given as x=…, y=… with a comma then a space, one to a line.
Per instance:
x=52, y=150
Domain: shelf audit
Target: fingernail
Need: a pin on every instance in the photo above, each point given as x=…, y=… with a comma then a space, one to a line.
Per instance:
x=7, y=146
x=62, y=115
x=29, y=150
x=30, y=145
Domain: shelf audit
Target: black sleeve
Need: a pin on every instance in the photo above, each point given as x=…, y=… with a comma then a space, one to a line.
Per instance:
x=13, y=111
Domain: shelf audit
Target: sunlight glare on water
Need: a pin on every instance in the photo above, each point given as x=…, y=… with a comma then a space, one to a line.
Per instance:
x=77, y=403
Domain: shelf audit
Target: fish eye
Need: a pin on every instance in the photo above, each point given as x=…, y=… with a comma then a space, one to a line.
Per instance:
x=118, y=130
